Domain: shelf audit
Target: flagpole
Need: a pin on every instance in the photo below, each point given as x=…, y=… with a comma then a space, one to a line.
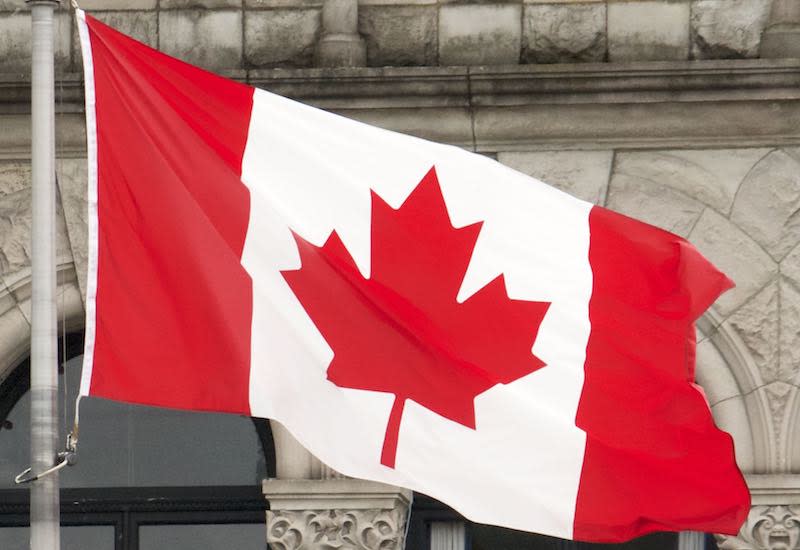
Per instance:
x=44, y=507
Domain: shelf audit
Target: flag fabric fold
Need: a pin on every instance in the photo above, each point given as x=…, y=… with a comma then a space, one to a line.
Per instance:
x=413, y=313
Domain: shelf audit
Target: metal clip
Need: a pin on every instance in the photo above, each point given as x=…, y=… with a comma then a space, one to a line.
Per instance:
x=67, y=457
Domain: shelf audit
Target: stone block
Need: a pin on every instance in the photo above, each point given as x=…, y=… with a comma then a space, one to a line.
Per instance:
x=727, y=29
x=95, y=5
x=141, y=25
x=757, y=324
x=714, y=374
x=14, y=176
x=402, y=2
x=188, y=4
x=399, y=35
x=15, y=233
x=564, y=33
x=72, y=188
x=711, y=176
x=767, y=206
x=15, y=41
x=340, y=16
x=14, y=5
x=259, y=4
x=582, y=174
x=790, y=266
x=15, y=343
x=281, y=38
x=736, y=254
x=731, y=416
x=68, y=298
x=210, y=39
x=15, y=218
x=479, y=34
x=780, y=41
x=649, y=201
x=789, y=367
x=648, y=30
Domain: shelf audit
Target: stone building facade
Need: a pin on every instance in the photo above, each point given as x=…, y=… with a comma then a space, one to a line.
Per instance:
x=683, y=113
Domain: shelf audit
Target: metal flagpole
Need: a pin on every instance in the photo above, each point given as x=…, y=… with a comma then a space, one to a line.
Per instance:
x=44, y=512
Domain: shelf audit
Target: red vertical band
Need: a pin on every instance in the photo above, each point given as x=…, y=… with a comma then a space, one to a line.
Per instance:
x=654, y=458
x=174, y=305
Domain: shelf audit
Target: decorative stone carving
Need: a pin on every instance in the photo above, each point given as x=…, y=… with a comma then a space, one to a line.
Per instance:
x=757, y=323
x=336, y=529
x=72, y=192
x=735, y=253
x=333, y=514
x=768, y=202
x=710, y=176
x=790, y=266
x=15, y=224
x=779, y=394
x=399, y=35
x=767, y=528
x=558, y=33
x=789, y=329
x=583, y=174
x=722, y=29
x=655, y=204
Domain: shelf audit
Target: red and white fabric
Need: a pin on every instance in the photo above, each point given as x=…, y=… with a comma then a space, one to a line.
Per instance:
x=208, y=198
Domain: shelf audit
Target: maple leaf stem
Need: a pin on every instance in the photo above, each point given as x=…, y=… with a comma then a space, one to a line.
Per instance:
x=389, y=452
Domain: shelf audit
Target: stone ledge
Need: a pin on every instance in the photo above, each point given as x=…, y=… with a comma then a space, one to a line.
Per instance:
x=325, y=494
x=728, y=103
x=497, y=85
x=774, y=489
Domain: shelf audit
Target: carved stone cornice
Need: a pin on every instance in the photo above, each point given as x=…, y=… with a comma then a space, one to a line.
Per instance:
x=371, y=529
x=335, y=514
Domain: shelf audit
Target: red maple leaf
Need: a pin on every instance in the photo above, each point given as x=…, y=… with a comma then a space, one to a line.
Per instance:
x=402, y=331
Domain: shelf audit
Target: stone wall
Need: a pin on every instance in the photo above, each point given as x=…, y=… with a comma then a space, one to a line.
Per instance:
x=251, y=34
x=708, y=150
x=738, y=205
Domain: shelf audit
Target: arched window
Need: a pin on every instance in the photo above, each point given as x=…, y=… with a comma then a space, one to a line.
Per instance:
x=146, y=478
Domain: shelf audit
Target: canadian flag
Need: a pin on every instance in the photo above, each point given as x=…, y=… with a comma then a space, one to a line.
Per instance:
x=413, y=313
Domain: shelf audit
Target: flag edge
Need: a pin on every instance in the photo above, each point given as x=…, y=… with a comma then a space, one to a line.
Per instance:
x=92, y=218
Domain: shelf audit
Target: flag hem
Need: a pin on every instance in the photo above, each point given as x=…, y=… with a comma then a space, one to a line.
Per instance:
x=92, y=222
